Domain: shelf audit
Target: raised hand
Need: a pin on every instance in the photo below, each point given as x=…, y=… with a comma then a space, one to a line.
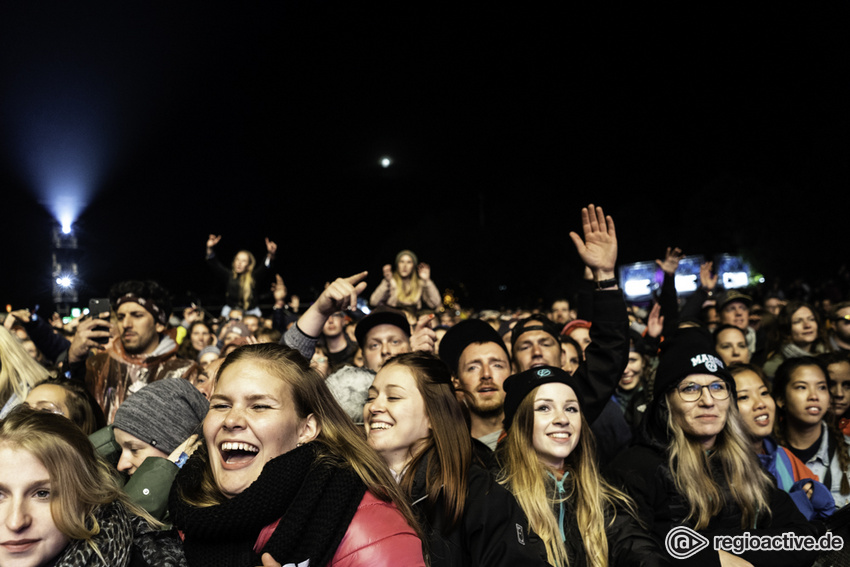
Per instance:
x=707, y=278
x=85, y=338
x=212, y=240
x=670, y=263
x=271, y=247
x=655, y=321
x=598, y=250
x=387, y=271
x=423, y=337
x=424, y=271
x=341, y=294
x=279, y=291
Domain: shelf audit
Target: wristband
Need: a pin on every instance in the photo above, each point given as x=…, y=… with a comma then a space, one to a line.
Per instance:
x=181, y=460
x=606, y=284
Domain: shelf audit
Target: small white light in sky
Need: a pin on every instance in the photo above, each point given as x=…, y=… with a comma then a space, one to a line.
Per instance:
x=385, y=162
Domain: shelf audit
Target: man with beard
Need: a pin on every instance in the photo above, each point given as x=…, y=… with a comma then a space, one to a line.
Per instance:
x=479, y=362
x=140, y=353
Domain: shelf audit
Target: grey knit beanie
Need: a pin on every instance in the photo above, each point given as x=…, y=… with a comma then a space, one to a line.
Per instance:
x=163, y=413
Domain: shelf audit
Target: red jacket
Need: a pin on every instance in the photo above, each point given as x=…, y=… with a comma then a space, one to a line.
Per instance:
x=378, y=536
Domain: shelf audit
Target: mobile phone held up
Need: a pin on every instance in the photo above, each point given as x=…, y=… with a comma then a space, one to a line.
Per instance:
x=98, y=307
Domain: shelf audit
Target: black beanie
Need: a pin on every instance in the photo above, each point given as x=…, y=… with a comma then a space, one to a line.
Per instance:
x=518, y=386
x=163, y=414
x=689, y=351
x=380, y=316
x=465, y=333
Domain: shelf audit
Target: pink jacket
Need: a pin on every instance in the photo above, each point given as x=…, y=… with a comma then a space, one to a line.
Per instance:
x=378, y=536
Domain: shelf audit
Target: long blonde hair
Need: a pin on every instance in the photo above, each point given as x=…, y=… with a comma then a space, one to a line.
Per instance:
x=525, y=476
x=409, y=290
x=246, y=279
x=80, y=480
x=19, y=372
x=690, y=466
x=339, y=439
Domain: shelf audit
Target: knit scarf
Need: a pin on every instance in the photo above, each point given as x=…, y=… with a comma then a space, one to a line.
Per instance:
x=313, y=498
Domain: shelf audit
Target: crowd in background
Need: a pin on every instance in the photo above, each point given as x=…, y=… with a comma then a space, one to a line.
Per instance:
x=577, y=434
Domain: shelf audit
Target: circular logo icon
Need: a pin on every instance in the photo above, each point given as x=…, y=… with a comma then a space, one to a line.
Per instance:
x=683, y=542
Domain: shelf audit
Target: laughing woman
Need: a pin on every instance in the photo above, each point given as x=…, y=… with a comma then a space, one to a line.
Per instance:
x=416, y=424
x=285, y=477
x=549, y=464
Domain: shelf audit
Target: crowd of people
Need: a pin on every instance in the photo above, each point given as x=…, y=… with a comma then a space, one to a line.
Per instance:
x=413, y=433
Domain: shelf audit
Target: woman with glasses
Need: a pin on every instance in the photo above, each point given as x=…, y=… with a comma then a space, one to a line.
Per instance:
x=693, y=464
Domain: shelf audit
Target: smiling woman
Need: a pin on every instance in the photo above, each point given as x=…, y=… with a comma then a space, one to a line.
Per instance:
x=414, y=421
x=549, y=463
x=693, y=463
x=285, y=476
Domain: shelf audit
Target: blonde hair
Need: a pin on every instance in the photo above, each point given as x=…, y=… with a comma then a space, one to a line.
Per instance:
x=19, y=372
x=81, y=482
x=340, y=441
x=690, y=466
x=246, y=279
x=525, y=476
x=409, y=289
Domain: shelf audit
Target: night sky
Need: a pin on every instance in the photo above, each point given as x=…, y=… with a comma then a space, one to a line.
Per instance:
x=716, y=131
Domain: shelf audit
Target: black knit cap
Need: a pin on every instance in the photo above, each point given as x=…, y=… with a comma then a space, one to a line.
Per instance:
x=518, y=386
x=465, y=333
x=536, y=322
x=689, y=351
x=381, y=316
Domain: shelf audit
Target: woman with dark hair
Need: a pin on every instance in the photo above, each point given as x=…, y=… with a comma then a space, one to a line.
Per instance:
x=241, y=278
x=798, y=332
x=70, y=399
x=801, y=390
x=407, y=285
x=61, y=506
x=285, y=477
x=730, y=342
x=758, y=414
x=693, y=465
x=414, y=422
x=198, y=337
x=549, y=464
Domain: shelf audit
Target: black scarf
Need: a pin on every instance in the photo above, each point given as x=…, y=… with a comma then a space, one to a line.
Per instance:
x=314, y=498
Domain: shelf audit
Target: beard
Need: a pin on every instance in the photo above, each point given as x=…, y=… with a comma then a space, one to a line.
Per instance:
x=485, y=409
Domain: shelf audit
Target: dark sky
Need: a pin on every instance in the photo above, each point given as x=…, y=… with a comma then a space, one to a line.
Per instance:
x=714, y=131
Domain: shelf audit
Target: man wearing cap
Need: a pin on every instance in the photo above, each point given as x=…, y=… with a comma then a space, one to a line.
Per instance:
x=140, y=353
x=733, y=308
x=479, y=361
x=385, y=333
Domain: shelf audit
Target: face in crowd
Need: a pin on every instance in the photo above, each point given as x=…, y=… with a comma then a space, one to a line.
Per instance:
x=735, y=313
x=382, y=343
x=731, y=345
x=252, y=419
x=482, y=369
x=557, y=423
x=395, y=417
x=755, y=404
x=536, y=348
x=699, y=405
x=138, y=330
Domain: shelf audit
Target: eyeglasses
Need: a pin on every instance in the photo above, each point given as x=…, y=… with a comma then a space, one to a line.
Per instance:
x=691, y=392
x=841, y=318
